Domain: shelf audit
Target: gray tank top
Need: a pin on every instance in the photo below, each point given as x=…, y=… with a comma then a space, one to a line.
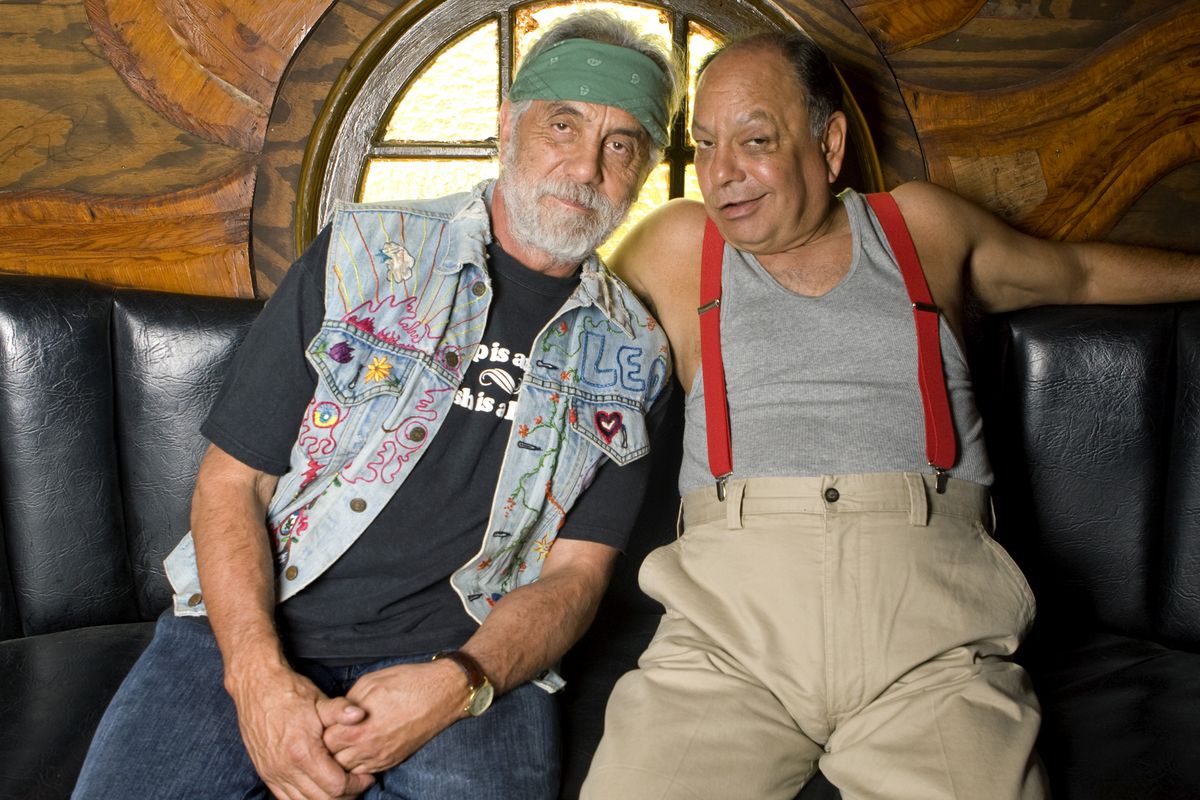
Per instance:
x=828, y=385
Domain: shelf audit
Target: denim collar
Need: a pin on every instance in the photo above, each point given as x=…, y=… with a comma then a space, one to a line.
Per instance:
x=597, y=285
x=472, y=232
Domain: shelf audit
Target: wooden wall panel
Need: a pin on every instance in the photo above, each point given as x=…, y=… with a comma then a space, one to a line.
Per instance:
x=897, y=25
x=1009, y=43
x=209, y=67
x=129, y=142
x=69, y=122
x=193, y=241
x=1165, y=215
x=131, y=124
x=1066, y=156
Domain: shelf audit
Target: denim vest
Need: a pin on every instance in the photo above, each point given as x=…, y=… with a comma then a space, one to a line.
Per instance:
x=406, y=301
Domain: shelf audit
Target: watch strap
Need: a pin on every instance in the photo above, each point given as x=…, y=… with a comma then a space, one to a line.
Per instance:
x=469, y=666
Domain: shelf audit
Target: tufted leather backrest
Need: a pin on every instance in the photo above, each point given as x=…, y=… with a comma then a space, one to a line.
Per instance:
x=101, y=395
x=1093, y=418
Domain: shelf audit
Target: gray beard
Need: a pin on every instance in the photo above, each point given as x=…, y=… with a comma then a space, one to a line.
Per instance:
x=565, y=236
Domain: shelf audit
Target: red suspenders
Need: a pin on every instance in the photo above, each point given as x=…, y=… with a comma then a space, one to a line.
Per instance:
x=941, y=449
x=716, y=403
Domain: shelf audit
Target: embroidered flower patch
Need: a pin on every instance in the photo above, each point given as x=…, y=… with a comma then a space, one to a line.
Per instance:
x=341, y=352
x=379, y=369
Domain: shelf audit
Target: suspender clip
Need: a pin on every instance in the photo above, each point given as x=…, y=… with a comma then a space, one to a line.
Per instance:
x=930, y=307
x=721, y=481
x=939, y=482
x=709, y=306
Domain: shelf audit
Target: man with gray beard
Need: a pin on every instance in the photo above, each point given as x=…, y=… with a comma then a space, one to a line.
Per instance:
x=386, y=544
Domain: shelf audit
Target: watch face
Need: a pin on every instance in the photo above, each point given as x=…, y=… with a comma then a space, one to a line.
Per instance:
x=481, y=699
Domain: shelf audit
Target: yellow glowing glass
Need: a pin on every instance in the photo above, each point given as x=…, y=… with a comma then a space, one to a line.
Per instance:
x=701, y=41
x=414, y=179
x=655, y=192
x=531, y=20
x=691, y=184
x=456, y=97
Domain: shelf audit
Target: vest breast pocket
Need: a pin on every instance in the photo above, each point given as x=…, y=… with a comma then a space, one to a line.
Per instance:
x=361, y=387
x=616, y=428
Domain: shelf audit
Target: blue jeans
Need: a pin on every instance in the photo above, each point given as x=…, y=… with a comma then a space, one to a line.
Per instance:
x=171, y=732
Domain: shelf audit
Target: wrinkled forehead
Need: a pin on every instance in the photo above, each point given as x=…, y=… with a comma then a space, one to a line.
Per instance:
x=611, y=118
x=749, y=84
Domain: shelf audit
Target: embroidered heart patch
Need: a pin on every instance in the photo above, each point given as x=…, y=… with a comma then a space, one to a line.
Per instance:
x=608, y=423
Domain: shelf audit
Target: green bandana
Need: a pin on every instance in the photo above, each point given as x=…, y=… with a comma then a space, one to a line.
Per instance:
x=595, y=72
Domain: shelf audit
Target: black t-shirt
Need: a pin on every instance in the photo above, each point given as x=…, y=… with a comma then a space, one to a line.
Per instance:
x=389, y=594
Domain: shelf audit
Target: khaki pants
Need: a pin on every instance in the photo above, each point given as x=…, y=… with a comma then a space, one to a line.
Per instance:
x=861, y=621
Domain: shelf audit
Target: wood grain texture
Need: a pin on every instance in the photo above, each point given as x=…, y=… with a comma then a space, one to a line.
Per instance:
x=193, y=241
x=209, y=67
x=897, y=25
x=1165, y=215
x=1064, y=157
x=314, y=70
x=1008, y=43
x=70, y=123
x=129, y=155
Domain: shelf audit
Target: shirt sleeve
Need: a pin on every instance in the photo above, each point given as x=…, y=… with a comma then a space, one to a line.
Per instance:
x=256, y=417
x=609, y=507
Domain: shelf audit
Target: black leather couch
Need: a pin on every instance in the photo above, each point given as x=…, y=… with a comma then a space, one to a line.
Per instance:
x=1095, y=431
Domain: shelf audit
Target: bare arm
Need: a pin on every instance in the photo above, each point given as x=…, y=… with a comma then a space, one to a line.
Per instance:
x=556, y=609
x=660, y=260
x=1007, y=269
x=229, y=510
x=528, y=630
x=279, y=711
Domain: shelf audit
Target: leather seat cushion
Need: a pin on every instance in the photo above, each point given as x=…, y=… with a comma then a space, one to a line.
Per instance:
x=54, y=691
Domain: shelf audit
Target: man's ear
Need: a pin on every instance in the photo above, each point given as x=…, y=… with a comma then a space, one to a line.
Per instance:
x=505, y=121
x=833, y=144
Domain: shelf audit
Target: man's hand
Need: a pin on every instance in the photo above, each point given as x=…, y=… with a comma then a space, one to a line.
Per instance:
x=406, y=706
x=282, y=722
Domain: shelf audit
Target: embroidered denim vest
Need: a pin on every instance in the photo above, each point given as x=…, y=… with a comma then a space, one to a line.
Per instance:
x=406, y=300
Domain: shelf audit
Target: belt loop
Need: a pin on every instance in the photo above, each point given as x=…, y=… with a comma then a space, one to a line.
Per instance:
x=679, y=520
x=918, y=500
x=733, y=504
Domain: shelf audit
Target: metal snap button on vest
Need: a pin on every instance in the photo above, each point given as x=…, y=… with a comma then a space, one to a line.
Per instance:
x=832, y=495
x=195, y=600
x=416, y=434
x=452, y=359
x=478, y=289
x=290, y=573
x=358, y=504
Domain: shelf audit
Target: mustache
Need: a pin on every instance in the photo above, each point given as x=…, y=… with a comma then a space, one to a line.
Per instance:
x=587, y=196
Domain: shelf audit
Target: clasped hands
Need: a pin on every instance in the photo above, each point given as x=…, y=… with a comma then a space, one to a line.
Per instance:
x=307, y=746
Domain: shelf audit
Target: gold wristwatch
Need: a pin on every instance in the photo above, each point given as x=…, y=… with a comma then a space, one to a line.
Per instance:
x=481, y=688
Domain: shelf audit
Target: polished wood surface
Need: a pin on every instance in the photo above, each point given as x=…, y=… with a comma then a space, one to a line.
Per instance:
x=158, y=143
x=209, y=67
x=897, y=25
x=192, y=241
x=1065, y=157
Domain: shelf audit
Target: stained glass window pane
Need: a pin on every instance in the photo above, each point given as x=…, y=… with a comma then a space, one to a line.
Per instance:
x=655, y=192
x=456, y=97
x=412, y=179
x=691, y=184
x=532, y=20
